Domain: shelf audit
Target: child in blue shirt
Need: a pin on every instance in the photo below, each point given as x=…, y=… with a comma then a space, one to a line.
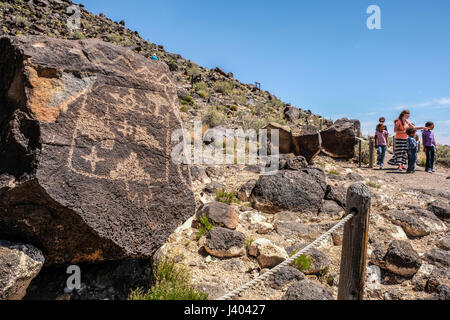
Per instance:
x=413, y=149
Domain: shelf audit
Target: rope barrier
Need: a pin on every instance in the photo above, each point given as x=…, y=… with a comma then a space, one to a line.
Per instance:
x=287, y=262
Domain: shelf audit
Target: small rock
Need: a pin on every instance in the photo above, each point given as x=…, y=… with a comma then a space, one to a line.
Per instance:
x=199, y=174
x=438, y=258
x=373, y=278
x=246, y=190
x=19, y=264
x=332, y=209
x=264, y=228
x=307, y=290
x=420, y=279
x=444, y=244
x=268, y=254
x=355, y=177
x=221, y=214
x=441, y=209
x=284, y=276
x=412, y=225
x=296, y=163
x=213, y=187
x=402, y=259
x=337, y=194
x=443, y=292
x=224, y=243
x=319, y=261
x=337, y=238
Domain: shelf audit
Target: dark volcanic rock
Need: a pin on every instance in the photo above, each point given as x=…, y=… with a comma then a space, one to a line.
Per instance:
x=337, y=194
x=307, y=290
x=339, y=140
x=213, y=187
x=284, y=135
x=284, y=276
x=224, y=243
x=441, y=209
x=307, y=142
x=246, y=190
x=19, y=264
x=438, y=258
x=112, y=280
x=300, y=191
x=85, y=150
x=402, y=259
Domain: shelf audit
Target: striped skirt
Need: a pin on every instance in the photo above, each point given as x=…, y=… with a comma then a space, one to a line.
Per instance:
x=401, y=153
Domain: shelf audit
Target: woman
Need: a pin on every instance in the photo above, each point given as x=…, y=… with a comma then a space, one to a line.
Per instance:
x=401, y=150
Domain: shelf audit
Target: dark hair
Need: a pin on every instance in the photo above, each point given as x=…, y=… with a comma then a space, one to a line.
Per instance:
x=429, y=124
x=380, y=125
x=382, y=119
x=411, y=131
x=402, y=114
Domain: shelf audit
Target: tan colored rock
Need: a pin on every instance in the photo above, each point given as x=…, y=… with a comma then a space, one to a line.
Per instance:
x=268, y=254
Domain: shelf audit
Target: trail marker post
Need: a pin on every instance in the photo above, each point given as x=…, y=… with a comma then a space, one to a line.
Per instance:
x=352, y=275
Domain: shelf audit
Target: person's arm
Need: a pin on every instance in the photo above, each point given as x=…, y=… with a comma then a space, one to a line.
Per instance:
x=423, y=140
x=386, y=134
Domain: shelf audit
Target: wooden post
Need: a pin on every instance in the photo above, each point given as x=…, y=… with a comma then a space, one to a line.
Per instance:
x=371, y=153
x=360, y=153
x=352, y=276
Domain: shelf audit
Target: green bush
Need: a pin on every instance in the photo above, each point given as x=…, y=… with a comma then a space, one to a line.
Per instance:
x=443, y=156
x=188, y=100
x=334, y=172
x=170, y=282
x=224, y=87
x=373, y=185
x=226, y=197
x=213, y=118
x=193, y=71
x=302, y=263
x=206, y=226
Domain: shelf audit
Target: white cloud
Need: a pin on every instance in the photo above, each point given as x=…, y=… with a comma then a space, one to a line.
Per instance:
x=437, y=103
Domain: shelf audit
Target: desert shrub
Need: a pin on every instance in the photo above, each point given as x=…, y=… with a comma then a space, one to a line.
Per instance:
x=224, y=87
x=226, y=197
x=302, y=263
x=443, y=156
x=248, y=242
x=202, y=89
x=170, y=282
x=373, y=185
x=184, y=109
x=193, y=71
x=206, y=226
x=187, y=100
x=334, y=172
x=213, y=118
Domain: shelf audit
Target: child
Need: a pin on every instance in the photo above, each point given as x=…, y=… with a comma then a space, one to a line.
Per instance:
x=383, y=121
x=429, y=146
x=413, y=149
x=381, y=141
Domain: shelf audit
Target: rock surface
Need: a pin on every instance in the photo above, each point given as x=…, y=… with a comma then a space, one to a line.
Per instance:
x=441, y=209
x=268, y=254
x=85, y=150
x=402, y=259
x=339, y=140
x=300, y=191
x=221, y=214
x=308, y=290
x=19, y=265
x=224, y=243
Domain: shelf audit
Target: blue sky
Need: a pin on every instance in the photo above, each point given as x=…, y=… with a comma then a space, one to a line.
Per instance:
x=317, y=55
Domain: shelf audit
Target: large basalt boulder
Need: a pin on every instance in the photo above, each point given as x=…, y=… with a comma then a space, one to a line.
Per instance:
x=307, y=142
x=300, y=191
x=339, y=140
x=86, y=172
x=19, y=264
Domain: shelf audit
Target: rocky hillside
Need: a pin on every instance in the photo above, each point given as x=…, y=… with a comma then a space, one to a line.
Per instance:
x=211, y=95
